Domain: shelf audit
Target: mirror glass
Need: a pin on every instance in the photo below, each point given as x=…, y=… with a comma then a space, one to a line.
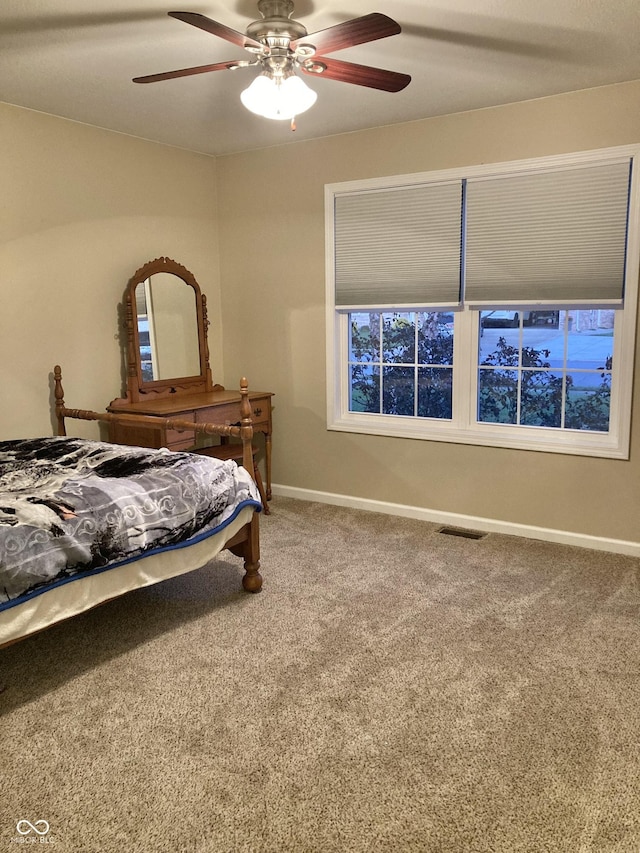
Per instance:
x=167, y=320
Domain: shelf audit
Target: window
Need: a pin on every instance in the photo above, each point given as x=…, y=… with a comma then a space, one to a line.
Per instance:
x=495, y=306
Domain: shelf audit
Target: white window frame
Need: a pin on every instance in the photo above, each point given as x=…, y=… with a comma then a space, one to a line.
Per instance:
x=464, y=427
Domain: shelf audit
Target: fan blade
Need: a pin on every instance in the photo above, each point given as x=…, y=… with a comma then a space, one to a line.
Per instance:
x=358, y=31
x=185, y=72
x=216, y=29
x=360, y=75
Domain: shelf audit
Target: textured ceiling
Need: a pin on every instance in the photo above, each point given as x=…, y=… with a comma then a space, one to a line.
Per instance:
x=76, y=59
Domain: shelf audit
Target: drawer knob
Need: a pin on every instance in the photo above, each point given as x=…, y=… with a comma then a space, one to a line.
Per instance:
x=257, y=412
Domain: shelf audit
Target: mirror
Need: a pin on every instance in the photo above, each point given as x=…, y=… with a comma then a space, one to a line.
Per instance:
x=166, y=321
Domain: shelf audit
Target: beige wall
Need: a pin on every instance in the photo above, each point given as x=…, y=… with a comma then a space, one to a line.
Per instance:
x=273, y=285
x=82, y=209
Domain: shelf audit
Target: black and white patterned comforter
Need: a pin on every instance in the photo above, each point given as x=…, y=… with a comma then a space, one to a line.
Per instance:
x=71, y=506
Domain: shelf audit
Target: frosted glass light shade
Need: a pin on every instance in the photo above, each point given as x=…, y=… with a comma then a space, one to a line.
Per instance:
x=278, y=99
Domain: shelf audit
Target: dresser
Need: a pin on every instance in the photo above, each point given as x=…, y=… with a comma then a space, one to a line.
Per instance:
x=221, y=407
x=164, y=332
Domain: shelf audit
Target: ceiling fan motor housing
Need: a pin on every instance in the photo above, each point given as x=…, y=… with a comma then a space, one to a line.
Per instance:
x=276, y=29
x=275, y=8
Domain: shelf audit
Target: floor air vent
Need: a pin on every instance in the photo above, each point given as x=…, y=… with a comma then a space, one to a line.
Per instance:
x=460, y=531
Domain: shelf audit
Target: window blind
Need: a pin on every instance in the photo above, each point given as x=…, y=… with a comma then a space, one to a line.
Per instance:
x=544, y=237
x=399, y=246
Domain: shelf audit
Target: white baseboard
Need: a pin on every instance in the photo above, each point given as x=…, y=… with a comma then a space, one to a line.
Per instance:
x=489, y=525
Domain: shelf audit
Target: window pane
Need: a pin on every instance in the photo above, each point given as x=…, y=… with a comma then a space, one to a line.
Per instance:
x=501, y=319
x=364, y=388
x=551, y=319
x=364, y=340
x=590, y=339
x=498, y=346
x=543, y=345
x=498, y=396
x=399, y=338
x=398, y=394
x=435, y=386
x=541, y=399
x=539, y=354
x=588, y=401
x=435, y=338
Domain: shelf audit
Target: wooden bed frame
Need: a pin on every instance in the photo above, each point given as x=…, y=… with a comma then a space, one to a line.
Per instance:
x=246, y=543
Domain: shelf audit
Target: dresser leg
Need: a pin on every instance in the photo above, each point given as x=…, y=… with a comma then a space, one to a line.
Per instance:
x=267, y=462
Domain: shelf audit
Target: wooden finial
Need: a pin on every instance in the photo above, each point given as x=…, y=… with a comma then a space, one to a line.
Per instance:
x=58, y=393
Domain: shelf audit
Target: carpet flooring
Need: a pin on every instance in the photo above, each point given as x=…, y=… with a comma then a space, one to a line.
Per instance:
x=392, y=689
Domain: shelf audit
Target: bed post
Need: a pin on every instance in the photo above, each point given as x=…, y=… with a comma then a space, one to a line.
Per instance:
x=59, y=397
x=246, y=428
x=252, y=579
x=250, y=548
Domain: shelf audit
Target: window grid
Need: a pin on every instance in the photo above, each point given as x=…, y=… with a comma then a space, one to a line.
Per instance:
x=384, y=366
x=591, y=399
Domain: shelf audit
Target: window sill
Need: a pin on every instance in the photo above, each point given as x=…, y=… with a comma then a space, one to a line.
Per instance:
x=572, y=442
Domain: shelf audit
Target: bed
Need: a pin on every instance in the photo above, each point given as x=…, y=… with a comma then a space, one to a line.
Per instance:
x=84, y=521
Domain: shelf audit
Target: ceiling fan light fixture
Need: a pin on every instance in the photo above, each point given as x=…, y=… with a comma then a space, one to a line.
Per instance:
x=277, y=97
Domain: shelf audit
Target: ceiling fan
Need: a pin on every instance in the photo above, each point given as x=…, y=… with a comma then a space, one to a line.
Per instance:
x=282, y=46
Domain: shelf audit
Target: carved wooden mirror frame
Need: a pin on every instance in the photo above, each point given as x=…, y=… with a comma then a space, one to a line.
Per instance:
x=137, y=386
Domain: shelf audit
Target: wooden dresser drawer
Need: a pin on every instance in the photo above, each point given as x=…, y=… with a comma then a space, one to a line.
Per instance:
x=230, y=413
x=179, y=440
x=149, y=436
x=138, y=436
x=261, y=412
